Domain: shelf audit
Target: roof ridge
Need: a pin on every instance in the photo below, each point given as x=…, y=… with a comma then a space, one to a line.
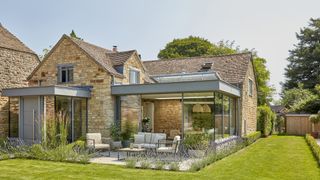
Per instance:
x=113, y=52
x=197, y=57
x=82, y=41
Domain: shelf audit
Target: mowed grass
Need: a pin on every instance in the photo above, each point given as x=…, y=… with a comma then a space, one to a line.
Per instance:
x=276, y=157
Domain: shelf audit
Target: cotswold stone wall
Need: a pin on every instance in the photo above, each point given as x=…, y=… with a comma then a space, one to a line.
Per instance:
x=249, y=104
x=86, y=73
x=131, y=105
x=167, y=115
x=15, y=66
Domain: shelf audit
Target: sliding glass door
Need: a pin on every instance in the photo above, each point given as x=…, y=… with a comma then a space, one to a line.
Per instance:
x=73, y=113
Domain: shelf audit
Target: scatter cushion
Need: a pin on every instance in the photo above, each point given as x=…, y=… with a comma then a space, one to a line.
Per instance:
x=165, y=149
x=102, y=146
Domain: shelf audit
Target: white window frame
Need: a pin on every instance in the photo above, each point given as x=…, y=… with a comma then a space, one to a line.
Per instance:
x=136, y=79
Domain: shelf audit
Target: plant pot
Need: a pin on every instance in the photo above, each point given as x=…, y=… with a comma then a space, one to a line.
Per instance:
x=315, y=134
x=126, y=143
x=116, y=145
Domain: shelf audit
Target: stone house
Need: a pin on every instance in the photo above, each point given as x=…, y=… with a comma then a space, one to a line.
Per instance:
x=97, y=87
x=16, y=63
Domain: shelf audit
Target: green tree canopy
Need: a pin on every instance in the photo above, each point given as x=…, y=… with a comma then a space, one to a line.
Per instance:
x=193, y=46
x=304, y=59
x=299, y=99
x=196, y=46
x=74, y=35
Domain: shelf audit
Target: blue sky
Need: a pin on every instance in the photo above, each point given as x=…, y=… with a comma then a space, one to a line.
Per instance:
x=267, y=26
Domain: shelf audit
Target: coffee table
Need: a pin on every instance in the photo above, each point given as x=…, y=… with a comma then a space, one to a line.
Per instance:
x=131, y=150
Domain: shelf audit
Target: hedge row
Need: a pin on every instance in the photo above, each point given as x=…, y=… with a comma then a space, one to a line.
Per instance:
x=251, y=138
x=314, y=146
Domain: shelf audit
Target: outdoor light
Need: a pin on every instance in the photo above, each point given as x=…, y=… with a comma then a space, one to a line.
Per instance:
x=206, y=108
x=197, y=108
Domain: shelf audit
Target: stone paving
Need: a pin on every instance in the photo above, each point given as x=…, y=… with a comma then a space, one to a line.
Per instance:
x=113, y=159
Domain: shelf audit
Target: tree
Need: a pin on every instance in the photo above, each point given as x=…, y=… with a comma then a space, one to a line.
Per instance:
x=301, y=100
x=45, y=51
x=196, y=46
x=265, y=92
x=304, y=59
x=193, y=46
x=74, y=35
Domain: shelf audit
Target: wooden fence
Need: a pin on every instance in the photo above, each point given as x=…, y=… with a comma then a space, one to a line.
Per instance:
x=299, y=124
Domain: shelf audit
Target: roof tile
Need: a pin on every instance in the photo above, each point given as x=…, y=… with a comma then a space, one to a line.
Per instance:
x=231, y=68
x=10, y=41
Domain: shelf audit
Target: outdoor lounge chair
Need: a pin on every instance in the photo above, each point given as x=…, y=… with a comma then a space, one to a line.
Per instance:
x=173, y=149
x=94, y=141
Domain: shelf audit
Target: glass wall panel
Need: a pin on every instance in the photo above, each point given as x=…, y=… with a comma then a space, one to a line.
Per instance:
x=218, y=116
x=233, y=116
x=14, y=117
x=226, y=116
x=163, y=112
x=63, y=113
x=79, y=111
x=198, y=115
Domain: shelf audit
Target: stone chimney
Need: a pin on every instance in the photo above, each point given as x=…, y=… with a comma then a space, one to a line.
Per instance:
x=115, y=49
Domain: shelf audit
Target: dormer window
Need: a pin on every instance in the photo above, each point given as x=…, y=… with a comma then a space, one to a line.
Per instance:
x=65, y=73
x=134, y=76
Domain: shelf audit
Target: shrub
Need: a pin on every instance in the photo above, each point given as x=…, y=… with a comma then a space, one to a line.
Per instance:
x=159, y=165
x=174, y=166
x=251, y=138
x=197, y=165
x=196, y=140
x=265, y=120
x=314, y=146
x=131, y=162
x=145, y=164
x=128, y=130
x=115, y=132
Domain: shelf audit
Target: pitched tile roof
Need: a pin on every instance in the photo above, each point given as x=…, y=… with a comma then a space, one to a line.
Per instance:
x=231, y=68
x=10, y=41
x=118, y=58
x=97, y=53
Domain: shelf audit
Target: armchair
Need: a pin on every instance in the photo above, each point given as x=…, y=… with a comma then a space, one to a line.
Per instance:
x=94, y=141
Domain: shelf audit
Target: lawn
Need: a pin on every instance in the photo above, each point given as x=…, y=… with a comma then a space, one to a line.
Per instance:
x=276, y=157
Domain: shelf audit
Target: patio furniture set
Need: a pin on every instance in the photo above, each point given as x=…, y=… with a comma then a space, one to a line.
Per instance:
x=143, y=143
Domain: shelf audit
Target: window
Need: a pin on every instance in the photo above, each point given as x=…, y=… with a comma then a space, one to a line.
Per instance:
x=250, y=87
x=134, y=76
x=65, y=74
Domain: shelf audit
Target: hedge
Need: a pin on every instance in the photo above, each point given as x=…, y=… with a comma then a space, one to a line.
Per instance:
x=251, y=138
x=314, y=146
x=266, y=118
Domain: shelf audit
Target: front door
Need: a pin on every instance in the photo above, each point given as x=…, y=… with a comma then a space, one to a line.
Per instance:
x=30, y=121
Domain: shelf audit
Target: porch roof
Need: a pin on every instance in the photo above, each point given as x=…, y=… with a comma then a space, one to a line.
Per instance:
x=47, y=91
x=176, y=87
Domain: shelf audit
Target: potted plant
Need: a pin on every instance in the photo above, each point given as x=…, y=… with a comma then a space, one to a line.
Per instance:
x=314, y=119
x=127, y=133
x=146, y=124
x=115, y=135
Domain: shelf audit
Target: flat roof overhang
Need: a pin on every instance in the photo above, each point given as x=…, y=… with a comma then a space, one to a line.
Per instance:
x=176, y=87
x=47, y=91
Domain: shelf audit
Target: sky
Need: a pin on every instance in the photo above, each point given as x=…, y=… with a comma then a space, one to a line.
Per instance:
x=268, y=26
